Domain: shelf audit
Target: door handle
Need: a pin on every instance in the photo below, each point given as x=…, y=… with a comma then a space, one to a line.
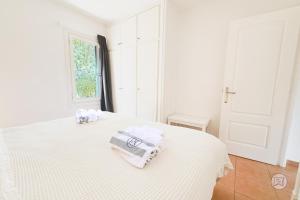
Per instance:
x=227, y=93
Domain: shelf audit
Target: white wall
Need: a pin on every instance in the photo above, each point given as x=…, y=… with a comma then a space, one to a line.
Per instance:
x=201, y=47
x=35, y=82
x=171, y=55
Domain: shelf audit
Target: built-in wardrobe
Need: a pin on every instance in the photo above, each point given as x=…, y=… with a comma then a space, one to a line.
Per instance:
x=134, y=55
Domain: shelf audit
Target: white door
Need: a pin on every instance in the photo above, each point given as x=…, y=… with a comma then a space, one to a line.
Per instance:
x=147, y=63
x=123, y=59
x=259, y=67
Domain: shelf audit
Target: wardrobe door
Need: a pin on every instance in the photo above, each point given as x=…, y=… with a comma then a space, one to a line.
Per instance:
x=128, y=32
x=128, y=69
x=123, y=59
x=125, y=76
x=114, y=37
x=147, y=80
x=147, y=64
x=148, y=25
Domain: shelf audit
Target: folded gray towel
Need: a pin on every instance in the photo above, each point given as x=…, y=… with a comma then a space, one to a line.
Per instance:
x=134, y=146
x=131, y=145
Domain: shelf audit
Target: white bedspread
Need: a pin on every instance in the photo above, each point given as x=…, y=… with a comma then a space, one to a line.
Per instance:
x=61, y=160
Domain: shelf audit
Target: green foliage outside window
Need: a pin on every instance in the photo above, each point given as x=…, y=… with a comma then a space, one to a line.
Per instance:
x=86, y=69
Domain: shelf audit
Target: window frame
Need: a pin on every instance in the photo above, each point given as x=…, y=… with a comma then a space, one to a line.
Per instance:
x=86, y=39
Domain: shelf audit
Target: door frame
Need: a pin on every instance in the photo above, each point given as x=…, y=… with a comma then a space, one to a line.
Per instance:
x=289, y=118
x=161, y=65
x=291, y=107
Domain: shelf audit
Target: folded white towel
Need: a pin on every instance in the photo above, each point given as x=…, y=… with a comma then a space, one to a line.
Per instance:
x=138, y=145
x=85, y=116
x=146, y=133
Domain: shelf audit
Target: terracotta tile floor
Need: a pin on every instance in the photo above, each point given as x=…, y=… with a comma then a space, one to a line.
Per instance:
x=251, y=180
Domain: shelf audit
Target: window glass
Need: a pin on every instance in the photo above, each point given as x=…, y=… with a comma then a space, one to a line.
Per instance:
x=86, y=69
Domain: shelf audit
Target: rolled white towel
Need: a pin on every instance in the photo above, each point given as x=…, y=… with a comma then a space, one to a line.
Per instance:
x=81, y=116
x=136, y=149
x=85, y=116
x=92, y=115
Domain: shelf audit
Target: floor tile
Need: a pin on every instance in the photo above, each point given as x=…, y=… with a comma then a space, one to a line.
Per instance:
x=284, y=195
x=251, y=180
x=238, y=196
x=251, y=170
x=290, y=170
x=290, y=175
x=242, y=159
x=222, y=193
x=254, y=189
x=228, y=180
x=233, y=159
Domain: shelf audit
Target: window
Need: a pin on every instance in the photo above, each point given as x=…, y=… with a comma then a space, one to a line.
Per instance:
x=85, y=69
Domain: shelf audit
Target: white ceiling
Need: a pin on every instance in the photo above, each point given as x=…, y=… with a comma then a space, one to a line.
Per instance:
x=111, y=10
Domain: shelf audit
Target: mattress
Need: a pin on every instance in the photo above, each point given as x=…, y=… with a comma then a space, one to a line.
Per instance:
x=62, y=160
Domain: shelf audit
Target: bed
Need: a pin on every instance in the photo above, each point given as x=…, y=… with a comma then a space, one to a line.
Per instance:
x=62, y=160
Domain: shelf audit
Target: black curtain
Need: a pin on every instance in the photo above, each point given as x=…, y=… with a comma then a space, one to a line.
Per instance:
x=105, y=78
